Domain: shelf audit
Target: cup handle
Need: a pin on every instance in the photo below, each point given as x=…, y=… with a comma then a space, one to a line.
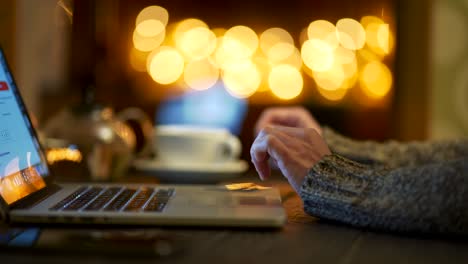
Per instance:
x=145, y=128
x=231, y=148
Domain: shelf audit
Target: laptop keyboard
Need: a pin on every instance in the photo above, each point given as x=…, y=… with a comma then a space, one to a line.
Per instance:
x=114, y=199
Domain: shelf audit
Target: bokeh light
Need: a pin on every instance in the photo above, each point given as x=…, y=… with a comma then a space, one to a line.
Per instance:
x=332, y=79
x=317, y=55
x=285, y=81
x=294, y=59
x=147, y=44
x=150, y=28
x=201, y=74
x=274, y=41
x=166, y=65
x=185, y=25
x=378, y=35
x=333, y=96
x=336, y=57
x=351, y=34
x=197, y=43
x=376, y=80
x=280, y=52
x=243, y=36
x=153, y=12
x=323, y=30
x=242, y=79
x=229, y=52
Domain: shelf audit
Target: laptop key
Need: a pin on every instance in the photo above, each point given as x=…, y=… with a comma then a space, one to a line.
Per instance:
x=103, y=199
x=159, y=201
x=83, y=199
x=165, y=193
x=68, y=199
x=155, y=205
x=120, y=200
x=140, y=199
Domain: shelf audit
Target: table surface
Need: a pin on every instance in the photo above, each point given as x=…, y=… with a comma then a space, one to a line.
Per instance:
x=304, y=239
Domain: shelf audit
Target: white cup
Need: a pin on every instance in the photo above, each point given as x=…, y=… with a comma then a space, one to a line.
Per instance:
x=180, y=144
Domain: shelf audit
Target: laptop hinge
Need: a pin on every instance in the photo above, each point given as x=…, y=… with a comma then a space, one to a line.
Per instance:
x=37, y=197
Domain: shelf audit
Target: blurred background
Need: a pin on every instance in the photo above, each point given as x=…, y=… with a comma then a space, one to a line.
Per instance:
x=371, y=69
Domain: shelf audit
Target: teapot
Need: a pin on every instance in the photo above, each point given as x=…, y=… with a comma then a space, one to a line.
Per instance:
x=91, y=139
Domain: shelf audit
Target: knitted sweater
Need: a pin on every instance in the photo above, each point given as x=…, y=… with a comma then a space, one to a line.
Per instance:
x=404, y=187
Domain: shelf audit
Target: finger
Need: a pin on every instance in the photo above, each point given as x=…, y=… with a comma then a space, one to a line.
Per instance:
x=276, y=116
x=259, y=159
x=267, y=145
x=265, y=119
x=298, y=132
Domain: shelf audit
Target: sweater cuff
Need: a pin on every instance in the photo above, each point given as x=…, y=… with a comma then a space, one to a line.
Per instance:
x=335, y=178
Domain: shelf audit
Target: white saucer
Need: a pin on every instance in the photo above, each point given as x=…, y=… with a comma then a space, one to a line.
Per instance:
x=192, y=173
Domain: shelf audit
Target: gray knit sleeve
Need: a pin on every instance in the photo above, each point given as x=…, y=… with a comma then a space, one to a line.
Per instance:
x=432, y=198
x=395, y=154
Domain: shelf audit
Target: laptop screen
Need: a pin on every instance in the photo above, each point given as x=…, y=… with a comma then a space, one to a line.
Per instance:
x=22, y=166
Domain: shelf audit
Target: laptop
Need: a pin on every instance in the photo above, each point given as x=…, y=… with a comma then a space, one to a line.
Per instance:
x=28, y=193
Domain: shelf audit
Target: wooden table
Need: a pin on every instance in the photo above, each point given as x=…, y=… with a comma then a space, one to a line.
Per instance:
x=304, y=239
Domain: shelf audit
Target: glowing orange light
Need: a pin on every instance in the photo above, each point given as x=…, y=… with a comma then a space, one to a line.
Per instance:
x=317, y=55
x=153, y=12
x=376, y=80
x=242, y=79
x=165, y=65
x=201, y=74
x=351, y=34
x=323, y=30
x=285, y=82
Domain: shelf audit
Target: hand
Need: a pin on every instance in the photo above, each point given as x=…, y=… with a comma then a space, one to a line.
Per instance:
x=294, y=150
x=287, y=116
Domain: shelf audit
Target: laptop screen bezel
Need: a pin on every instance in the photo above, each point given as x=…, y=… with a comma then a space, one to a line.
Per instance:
x=46, y=176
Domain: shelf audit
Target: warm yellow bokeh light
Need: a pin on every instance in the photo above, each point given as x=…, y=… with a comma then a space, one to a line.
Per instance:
x=186, y=25
x=368, y=56
x=376, y=80
x=280, y=52
x=317, y=55
x=230, y=52
x=383, y=38
x=346, y=59
x=285, y=81
x=153, y=12
x=333, y=95
x=323, y=30
x=138, y=60
x=344, y=56
x=332, y=79
x=378, y=35
x=147, y=44
x=351, y=34
x=242, y=79
x=245, y=36
x=271, y=37
x=197, y=43
x=294, y=59
x=341, y=75
x=166, y=65
x=150, y=28
x=367, y=20
x=201, y=74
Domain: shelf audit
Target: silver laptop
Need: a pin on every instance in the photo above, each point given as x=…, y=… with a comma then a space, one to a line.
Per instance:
x=28, y=193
